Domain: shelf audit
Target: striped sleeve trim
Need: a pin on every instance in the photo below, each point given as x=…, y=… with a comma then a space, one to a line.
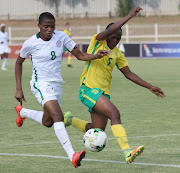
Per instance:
x=90, y=61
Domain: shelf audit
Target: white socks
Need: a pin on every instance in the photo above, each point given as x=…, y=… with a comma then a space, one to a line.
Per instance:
x=34, y=115
x=59, y=129
x=4, y=62
x=63, y=137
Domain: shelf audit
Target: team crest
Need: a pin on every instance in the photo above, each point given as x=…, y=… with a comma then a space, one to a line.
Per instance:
x=49, y=90
x=110, y=52
x=95, y=91
x=58, y=43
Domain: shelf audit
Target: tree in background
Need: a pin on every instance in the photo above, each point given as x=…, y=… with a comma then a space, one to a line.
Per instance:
x=124, y=7
x=52, y=3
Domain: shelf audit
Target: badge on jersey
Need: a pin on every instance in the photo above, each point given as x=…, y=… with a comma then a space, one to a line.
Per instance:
x=49, y=90
x=58, y=43
x=110, y=52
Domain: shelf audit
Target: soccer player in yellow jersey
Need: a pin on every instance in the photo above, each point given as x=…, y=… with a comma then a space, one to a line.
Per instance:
x=95, y=84
x=67, y=31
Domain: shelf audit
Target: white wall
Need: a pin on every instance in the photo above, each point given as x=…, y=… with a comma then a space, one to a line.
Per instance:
x=30, y=9
x=24, y=9
x=158, y=7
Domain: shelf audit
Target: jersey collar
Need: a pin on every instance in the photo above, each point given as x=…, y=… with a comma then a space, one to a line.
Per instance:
x=37, y=35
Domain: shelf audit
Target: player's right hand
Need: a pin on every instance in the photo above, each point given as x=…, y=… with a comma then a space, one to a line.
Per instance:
x=20, y=96
x=157, y=91
x=135, y=11
x=101, y=53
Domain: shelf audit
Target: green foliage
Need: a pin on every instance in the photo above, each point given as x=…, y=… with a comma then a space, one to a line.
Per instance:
x=124, y=7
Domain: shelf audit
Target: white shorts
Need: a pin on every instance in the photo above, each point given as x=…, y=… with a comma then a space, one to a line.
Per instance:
x=45, y=91
x=3, y=49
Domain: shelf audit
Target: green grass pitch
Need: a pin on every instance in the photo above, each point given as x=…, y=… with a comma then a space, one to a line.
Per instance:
x=148, y=120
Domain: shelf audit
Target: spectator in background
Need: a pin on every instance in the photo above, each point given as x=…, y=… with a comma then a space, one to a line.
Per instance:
x=4, y=50
x=67, y=31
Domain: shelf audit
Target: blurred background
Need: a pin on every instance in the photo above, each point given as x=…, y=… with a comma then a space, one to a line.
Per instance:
x=157, y=23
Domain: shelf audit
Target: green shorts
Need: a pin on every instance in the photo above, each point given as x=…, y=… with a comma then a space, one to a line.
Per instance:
x=90, y=96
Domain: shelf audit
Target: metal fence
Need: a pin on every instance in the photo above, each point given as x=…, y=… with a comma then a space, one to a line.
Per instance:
x=30, y=9
x=131, y=33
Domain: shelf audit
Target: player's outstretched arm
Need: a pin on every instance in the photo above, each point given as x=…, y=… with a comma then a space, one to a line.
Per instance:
x=136, y=79
x=157, y=91
x=87, y=57
x=116, y=26
x=18, y=74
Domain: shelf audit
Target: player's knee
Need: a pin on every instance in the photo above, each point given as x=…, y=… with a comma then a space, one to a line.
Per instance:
x=115, y=115
x=56, y=116
x=48, y=124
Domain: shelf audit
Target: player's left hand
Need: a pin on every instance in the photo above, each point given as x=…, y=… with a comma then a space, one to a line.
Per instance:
x=101, y=53
x=20, y=96
x=135, y=11
x=157, y=91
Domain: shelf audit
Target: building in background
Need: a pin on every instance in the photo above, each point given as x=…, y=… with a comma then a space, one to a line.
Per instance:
x=136, y=38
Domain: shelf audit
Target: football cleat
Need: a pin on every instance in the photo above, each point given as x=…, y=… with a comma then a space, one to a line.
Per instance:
x=131, y=155
x=3, y=68
x=19, y=120
x=68, y=118
x=77, y=157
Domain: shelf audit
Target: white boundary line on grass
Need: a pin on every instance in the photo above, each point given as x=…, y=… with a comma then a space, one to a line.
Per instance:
x=90, y=160
x=53, y=142
x=153, y=136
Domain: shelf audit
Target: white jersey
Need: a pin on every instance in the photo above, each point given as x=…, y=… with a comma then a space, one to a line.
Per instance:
x=46, y=56
x=4, y=38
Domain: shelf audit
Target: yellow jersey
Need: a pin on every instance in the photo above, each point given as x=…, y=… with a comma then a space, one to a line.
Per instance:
x=98, y=73
x=67, y=32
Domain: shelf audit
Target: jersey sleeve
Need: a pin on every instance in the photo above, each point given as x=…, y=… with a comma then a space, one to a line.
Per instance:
x=69, y=44
x=25, y=50
x=121, y=61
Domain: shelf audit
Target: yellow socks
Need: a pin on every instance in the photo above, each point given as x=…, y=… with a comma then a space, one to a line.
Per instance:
x=69, y=59
x=79, y=124
x=120, y=135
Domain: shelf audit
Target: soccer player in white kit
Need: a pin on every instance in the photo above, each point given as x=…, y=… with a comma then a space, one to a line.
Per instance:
x=4, y=50
x=45, y=50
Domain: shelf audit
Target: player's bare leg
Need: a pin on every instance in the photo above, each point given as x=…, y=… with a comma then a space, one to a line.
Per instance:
x=107, y=108
x=98, y=121
x=52, y=108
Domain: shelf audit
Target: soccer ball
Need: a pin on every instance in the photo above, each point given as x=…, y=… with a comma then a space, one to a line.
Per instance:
x=95, y=139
